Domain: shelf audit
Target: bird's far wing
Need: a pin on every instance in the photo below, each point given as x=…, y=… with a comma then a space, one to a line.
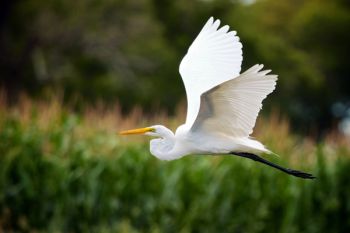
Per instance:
x=215, y=56
x=232, y=107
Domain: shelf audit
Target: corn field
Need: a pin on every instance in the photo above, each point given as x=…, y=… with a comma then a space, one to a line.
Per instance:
x=67, y=171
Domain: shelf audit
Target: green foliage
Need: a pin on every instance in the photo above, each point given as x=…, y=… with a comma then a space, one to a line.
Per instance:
x=61, y=178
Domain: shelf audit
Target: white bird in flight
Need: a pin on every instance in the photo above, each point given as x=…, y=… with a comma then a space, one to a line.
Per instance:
x=222, y=104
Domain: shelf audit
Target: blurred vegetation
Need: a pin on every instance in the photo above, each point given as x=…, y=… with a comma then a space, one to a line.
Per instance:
x=67, y=172
x=63, y=170
x=129, y=51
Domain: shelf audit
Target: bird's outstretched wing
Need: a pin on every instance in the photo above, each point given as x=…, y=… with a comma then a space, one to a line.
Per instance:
x=232, y=107
x=215, y=56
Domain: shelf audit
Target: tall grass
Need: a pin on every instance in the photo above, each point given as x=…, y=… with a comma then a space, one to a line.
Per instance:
x=62, y=171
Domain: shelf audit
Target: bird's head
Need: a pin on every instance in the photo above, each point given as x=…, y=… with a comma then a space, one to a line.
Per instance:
x=154, y=131
x=161, y=146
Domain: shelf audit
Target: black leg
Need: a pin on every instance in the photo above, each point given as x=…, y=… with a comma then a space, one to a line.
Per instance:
x=286, y=170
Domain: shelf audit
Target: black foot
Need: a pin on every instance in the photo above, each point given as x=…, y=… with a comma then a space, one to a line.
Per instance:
x=300, y=174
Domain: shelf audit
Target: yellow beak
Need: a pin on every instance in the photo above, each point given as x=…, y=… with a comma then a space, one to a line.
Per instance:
x=137, y=131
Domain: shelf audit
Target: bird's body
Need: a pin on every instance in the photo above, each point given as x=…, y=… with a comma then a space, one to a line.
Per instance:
x=222, y=104
x=184, y=142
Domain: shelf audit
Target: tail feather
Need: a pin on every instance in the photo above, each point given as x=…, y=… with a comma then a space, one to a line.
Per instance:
x=253, y=146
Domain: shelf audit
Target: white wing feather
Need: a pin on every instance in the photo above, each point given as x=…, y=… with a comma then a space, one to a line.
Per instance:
x=232, y=107
x=215, y=56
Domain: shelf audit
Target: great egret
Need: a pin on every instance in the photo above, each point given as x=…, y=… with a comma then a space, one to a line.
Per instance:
x=222, y=104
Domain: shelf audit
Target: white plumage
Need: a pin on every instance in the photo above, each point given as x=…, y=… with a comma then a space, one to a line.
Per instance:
x=215, y=56
x=222, y=104
x=233, y=106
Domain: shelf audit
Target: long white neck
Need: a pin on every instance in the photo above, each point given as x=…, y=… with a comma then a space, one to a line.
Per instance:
x=163, y=147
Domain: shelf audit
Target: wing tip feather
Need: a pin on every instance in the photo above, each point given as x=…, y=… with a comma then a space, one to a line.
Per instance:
x=257, y=69
x=216, y=24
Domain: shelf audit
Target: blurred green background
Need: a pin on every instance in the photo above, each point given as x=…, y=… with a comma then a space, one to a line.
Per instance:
x=129, y=51
x=72, y=73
